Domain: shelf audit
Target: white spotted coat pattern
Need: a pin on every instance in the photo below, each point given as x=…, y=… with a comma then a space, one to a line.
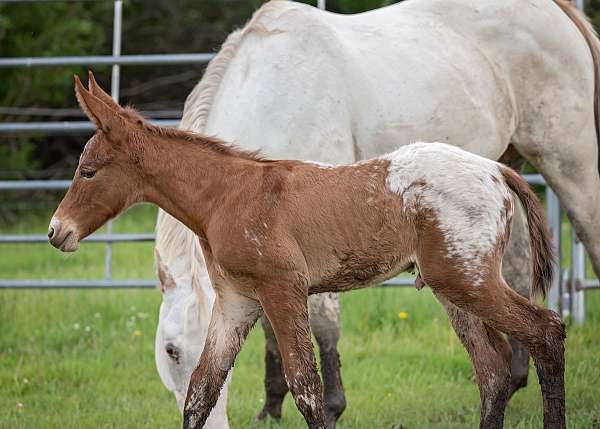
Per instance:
x=466, y=192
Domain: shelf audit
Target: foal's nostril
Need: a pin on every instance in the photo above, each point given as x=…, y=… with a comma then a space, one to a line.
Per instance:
x=50, y=232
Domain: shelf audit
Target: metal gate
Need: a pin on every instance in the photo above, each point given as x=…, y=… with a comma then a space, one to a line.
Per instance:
x=566, y=294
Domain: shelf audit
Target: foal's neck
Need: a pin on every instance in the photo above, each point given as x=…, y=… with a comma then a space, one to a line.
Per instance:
x=187, y=176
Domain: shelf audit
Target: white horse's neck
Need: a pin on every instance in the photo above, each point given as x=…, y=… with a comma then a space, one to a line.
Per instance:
x=180, y=251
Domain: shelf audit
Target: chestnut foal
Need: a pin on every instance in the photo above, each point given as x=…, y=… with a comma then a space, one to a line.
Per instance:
x=273, y=232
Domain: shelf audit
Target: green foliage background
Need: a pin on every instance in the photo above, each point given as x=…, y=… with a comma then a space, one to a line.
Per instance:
x=59, y=28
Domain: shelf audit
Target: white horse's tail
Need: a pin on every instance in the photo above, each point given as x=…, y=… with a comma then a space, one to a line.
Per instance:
x=588, y=32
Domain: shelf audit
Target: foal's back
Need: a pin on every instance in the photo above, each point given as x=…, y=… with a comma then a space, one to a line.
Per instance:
x=360, y=224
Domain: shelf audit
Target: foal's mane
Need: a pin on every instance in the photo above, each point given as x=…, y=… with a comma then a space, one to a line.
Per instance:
x=173, y=239
x=210, y=143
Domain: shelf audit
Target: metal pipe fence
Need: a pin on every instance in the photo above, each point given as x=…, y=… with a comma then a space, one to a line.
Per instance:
x=566, y=294
x=115, y=59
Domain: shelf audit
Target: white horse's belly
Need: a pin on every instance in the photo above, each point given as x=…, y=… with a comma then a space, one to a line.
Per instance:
x=334, y=96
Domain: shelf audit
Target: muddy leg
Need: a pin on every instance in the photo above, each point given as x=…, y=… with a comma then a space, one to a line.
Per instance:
x=324, y=310
x=516, y=269
x=287, y=310
x=232, y=318
x=490, y=356
x=275, y=386
x=541, y=330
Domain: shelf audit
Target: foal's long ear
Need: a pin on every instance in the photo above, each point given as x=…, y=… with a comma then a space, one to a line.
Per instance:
x=104, y=117
x=97, y=90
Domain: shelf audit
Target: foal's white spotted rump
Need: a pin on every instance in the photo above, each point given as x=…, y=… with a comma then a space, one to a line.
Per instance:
x=471, y=213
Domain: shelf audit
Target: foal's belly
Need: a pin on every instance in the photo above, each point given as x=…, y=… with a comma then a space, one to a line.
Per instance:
x=357, y=276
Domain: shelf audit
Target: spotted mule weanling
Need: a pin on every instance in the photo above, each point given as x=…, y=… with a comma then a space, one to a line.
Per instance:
x=274, y=232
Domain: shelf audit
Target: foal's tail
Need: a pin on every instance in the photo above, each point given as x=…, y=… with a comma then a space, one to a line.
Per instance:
x=542, y=250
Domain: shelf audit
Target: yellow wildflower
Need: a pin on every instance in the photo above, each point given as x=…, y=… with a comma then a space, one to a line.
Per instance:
x=137, y=333
x=402, y=315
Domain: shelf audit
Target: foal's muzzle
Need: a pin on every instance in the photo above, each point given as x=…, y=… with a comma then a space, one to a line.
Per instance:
x=63, y=235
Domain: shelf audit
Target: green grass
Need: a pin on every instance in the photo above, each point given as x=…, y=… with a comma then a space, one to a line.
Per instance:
x=73, y=359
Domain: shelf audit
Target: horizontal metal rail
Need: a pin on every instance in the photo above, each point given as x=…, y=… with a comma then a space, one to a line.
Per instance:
x=398, y=282
x=125, y=60
x=27, y=185
x=64, y=127
x=149, y=284
x=591, y=284
x=96, y=238
x=77, y=284
x=126, y=284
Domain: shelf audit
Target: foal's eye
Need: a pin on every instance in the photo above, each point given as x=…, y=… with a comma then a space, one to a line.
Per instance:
x=88, y=174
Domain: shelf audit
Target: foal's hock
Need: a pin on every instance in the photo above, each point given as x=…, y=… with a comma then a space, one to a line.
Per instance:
x=273, y=232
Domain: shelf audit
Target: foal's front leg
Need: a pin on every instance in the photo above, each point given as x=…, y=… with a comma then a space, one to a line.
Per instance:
x=287, y=310
x=232, y=318
x=324, y=317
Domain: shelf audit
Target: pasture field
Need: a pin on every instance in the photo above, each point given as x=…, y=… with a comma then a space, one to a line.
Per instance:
x=85, y=359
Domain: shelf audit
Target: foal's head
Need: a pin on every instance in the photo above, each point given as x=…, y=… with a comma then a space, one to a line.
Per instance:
x=108, y=178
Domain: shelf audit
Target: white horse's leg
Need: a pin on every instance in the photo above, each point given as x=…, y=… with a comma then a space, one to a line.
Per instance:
x=516, y=269
x=275, y=386
x=569, y=163
x=324, y=316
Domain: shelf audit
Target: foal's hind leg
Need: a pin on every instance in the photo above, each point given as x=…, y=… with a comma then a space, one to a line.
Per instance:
x=541, y=330
x=490, y=355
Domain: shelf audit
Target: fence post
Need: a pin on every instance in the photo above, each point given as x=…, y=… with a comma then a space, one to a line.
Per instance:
x=553, y=214
x=114, y=91
x=321, y=4
x=576, y=291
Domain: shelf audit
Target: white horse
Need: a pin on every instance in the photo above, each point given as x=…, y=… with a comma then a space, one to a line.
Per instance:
x=491, y=76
